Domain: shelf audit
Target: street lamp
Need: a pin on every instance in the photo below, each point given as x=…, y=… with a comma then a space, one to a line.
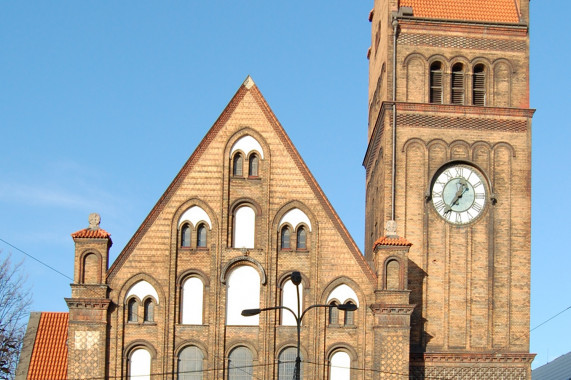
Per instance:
x=296, y=280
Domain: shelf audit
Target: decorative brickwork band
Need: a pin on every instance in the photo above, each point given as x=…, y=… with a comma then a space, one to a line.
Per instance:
x=459, y=42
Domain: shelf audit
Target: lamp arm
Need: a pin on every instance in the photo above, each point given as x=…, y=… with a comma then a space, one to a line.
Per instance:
x=312, y=307
x=279, y=307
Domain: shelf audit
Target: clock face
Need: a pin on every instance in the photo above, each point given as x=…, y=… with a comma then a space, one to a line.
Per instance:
x=459, y=194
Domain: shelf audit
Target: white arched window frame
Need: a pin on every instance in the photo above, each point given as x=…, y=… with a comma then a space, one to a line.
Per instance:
x=340, y=366
x=192, y=301
x=242, y=292
x=289, y=299
x=142, y=289
x=244, y=227
x=140, y=365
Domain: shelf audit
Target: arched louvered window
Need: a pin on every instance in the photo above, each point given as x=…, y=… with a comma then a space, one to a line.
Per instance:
x=201, y=236
x=190, y=363
x=253, y=165
x=333, y=313
x=132, y=310
x=479, y=85
x=301, y=238
x=457, y=84
x=349, y=315
x=436, y=82
x=237, y=164
x=139, y=366
x=340, y=366
x=286, y=364
x=240, y=364
x=149, y=310
x=185, y=235
x=285, y=238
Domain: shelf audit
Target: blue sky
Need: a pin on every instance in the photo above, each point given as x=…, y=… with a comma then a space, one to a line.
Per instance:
x=102, y=102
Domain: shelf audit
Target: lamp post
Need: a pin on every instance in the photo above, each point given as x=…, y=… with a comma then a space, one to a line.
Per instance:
x=296, y=280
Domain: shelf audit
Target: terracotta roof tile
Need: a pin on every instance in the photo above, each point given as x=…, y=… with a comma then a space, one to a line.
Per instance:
x=394, y=241
x=87, y=233
x=49, y=356
x=481, y=10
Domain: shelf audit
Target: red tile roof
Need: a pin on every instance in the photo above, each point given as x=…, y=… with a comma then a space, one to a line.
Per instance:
x=87, y=233
x=49, y=356
x=470, y=10
x=394, y=241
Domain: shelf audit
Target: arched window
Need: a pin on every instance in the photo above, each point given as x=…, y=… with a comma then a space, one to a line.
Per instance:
x=285, y=238
x=240, y=364
x=333, y=313
x=244, y=227
x=237, y=164
x=132, y=310
x=90, y=269
x=436, y=82
x=243, y=280
x=149, y=310
x=190, y=363
x=393, y=275
x=289, y=299
x=340, y=366
x=479, y=85
x=253, y=165
x=457, y=84
x=301, y=238
x=192, y=301
x=139, y=366
x=286, y=364
x=201, y=236
x=349, y=319
x=185, y=235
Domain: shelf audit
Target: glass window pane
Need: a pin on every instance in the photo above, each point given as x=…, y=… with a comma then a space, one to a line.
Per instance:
x=190, y=364
x=286, y=364
x=237, y=165
x=185, y=236
x=240, y=364
x=301, y=238
x=201, y=236
x=285, y=239
x=132, y=310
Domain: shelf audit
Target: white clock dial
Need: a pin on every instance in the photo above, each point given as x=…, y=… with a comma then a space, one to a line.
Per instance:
x=459, y=194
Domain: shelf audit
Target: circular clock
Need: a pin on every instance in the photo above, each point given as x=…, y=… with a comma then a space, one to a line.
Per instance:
x=459, y=193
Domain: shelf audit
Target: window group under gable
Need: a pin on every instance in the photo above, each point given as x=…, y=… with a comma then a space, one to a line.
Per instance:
x=342, y=294
x=142, y=290
x=242, y=280
x=240, y=364
x=189, y=236
x=190, y=363
x=294, y=217
x=249, y=148
x=192, y=297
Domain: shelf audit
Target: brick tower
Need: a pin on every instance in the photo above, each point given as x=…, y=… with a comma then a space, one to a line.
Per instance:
x=88, y=305
x=449, y=160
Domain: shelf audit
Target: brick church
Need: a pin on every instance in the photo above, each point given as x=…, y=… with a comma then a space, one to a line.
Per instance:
x=442, y=290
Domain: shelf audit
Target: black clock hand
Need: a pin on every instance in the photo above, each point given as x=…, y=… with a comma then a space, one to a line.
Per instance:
x=458, y=195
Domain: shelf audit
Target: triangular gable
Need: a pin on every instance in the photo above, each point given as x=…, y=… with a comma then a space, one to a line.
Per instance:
x=247, y=87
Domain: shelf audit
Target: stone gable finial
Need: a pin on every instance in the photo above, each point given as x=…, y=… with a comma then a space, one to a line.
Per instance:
x=391, y=228
x=94, y=221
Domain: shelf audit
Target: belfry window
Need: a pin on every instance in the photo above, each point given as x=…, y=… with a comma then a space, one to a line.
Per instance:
x=479, y=86
x=457, y=84
x=436, y=82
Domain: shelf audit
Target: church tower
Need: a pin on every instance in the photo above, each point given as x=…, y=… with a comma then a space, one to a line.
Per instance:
x=449, y=160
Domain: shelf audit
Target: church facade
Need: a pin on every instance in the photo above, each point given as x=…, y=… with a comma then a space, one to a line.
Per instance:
x=442, y=289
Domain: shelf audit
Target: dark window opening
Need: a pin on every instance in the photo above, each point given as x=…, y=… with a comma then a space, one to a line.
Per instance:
x=457, y=84
x=301, y=238
x=436, y=83
x=479, y=86
x=201, y=236
x=285, y=238
x=253, y=166
x=237, y=165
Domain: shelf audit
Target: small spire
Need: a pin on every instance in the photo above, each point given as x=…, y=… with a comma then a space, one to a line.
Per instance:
x=249, y=82
x=94, y=221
